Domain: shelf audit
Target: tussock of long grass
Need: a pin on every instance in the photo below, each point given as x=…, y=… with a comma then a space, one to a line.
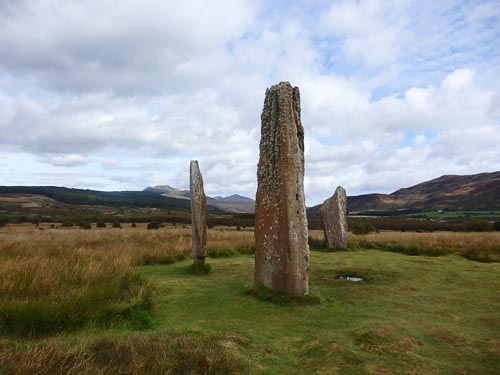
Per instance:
x=59, y=279
x=46, y=286
x=159, y=354
x=484, y=247
x=62, y=280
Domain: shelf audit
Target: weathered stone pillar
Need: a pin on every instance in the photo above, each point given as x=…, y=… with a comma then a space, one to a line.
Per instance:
x=282, y=250
x=333, y=214
x=198, y=214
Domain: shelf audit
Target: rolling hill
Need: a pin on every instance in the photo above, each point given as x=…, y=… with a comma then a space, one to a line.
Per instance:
x=450, y=193
x=164, y=197
x=100, y=198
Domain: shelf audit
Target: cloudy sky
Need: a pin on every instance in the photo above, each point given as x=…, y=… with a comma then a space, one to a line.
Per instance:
x=119, y=95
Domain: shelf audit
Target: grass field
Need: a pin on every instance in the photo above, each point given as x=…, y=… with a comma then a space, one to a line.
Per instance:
x=492, y=215
x=484, y=247
x=411, y=315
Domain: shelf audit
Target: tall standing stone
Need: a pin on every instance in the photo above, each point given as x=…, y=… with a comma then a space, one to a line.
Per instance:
x=198, y=214
x=282, y=250
x=333, y=214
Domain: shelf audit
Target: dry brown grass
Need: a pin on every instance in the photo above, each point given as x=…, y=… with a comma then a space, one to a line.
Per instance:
x=56, y=279
x=484, y=246
x=136, y=245
x=224, y=242
x=131, y=355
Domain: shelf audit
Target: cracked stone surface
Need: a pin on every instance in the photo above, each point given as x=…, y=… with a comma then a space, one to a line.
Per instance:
x=198, y=214
x=333, y=214
x=282, y=250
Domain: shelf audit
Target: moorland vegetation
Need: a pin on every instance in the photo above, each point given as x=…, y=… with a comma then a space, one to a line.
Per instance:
x=112, y=301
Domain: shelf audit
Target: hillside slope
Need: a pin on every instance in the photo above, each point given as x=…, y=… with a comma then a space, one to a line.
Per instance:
x=100, y=198
x=450, y=192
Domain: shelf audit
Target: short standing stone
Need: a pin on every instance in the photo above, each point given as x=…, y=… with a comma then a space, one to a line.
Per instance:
x=334, y=218
x=282, y=250
x=198, y=214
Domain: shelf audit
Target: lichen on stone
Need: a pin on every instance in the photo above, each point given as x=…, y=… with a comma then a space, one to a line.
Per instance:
x=281, y=222
x=198, y=214
x=333, y=215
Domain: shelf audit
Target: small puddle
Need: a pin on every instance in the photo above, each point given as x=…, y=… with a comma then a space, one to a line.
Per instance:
x=354, y=279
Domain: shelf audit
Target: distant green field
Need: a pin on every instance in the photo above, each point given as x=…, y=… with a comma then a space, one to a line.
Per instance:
x=458, y=214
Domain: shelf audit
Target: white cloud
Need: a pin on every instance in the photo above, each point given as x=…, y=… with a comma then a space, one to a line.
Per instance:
x=374, y=30
x=123, y=46
x=367, y=153
x=65, y=160
x=348, y=113
x=484, y=11
x=393, y=92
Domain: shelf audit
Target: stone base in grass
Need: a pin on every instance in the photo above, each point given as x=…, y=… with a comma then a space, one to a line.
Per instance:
x=281, y=298
x=199, y=269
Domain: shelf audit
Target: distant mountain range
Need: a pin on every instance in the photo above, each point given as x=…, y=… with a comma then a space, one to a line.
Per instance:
x=233, y=203
x=165, y=197
x=449, y=193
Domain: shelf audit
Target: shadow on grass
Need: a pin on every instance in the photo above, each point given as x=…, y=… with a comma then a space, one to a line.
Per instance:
x=281, y=298
x=322, y=246
x=199, y=269
x=231, y=252
x=482, y=255
x=149, y=260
